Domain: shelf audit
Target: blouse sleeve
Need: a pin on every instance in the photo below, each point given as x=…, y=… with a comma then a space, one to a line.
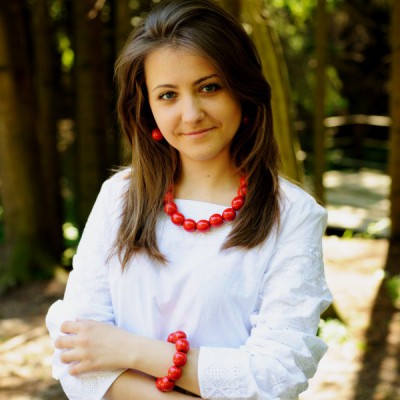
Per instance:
x=282, y=351
x=87, y=296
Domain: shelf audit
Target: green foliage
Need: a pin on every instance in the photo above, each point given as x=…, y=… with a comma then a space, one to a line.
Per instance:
x=71, y=238
x=27, y=261
x=66, y=52
x=336, y=101
x=57, y=10
x=134, y=4
x=294, y=21
x=70, y=232
x=298, y=11
x=374, y=229
x=301, y=11
x=393, y=286
x=333, y=331
x=378, y=227
x=1, y=225
x=348, y=234
x=67, y=256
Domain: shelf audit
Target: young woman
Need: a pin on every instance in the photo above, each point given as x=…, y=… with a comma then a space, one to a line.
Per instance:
x=199, y=237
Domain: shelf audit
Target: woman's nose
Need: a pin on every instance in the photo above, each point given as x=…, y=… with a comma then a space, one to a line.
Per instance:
x=192, y=111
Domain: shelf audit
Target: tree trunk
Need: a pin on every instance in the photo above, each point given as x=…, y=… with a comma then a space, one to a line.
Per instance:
x=232, y=6
x=46, y=118
x=122, y=28
x=274, y=65
x=319, y=99
x=122, y=24
x=384, y=310
x=394, y=145
x=91, y=105
x=25, y=254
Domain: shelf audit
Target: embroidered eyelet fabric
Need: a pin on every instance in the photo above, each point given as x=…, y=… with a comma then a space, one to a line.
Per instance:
x=253, y=313
x=282, y=350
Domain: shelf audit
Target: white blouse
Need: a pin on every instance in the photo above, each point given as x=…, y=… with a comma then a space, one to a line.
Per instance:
x=253, y=313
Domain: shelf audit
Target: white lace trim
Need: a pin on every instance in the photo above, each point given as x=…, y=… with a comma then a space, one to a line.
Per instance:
x=220, y=373
x=90, y=386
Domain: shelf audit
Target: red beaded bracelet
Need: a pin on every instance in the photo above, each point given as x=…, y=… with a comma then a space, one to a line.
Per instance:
x=167, y=383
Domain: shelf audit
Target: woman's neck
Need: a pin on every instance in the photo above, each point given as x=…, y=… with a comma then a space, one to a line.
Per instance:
x=207, y=182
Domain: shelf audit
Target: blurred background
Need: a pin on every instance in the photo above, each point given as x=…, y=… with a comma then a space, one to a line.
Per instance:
x=334, y=68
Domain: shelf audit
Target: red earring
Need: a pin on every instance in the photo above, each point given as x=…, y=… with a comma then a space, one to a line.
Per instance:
x=245, y=120
x=157, y=135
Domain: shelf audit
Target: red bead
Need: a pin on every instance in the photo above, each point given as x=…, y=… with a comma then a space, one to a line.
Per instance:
x=169, y=197
x=174, y=373
x=203, y=225
x=216, y=220
x=242, y=191
x=229, y=214
x=180, y=335
x=170, y=208
x=182, y=345
x=177, y=218
x=173, y=337
x=189, y=225
x=157, y=135
x=164, y=384
x=179, y=359
x=237, y=203
x=167, y=383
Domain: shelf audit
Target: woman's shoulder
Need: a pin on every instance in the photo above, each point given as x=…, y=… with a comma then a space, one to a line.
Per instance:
x=118, y=178
x=120, y=175
x=295, y=196
x=302, y=218
x=114, y=188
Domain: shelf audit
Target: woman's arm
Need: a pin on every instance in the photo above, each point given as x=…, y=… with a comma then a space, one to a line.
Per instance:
x=133, y=385
x=276, y=361
x=93, y=346
x=87, y=294
x=282, y=352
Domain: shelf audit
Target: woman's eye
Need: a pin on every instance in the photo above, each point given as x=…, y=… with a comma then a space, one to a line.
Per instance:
x=212, y=87
x=167, y=96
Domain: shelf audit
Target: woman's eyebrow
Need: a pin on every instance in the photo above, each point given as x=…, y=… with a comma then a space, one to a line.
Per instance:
x=196, y=82
x=204, y=79
x=165, y=85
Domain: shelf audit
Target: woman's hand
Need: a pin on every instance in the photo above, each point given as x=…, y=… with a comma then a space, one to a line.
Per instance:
x=93, y=346
x=96, y=346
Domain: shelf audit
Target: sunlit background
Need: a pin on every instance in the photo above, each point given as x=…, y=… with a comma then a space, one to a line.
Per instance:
x=329, y=65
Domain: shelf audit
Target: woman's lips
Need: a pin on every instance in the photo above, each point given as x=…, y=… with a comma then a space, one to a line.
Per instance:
x=198, y=132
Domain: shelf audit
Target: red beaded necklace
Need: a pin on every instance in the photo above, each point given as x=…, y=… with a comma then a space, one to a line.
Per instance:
x=215, y=220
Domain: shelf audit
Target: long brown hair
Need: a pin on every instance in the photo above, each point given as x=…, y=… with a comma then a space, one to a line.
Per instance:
x=204, y=27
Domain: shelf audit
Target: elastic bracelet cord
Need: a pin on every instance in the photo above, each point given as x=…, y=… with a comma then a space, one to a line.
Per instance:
x=167, y=383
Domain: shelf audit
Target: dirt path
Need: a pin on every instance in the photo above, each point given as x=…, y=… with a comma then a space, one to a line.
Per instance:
x=25, y=349
x=353, y=269
x=354, y=273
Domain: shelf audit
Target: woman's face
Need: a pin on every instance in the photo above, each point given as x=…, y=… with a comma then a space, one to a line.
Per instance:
x=196, y=113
